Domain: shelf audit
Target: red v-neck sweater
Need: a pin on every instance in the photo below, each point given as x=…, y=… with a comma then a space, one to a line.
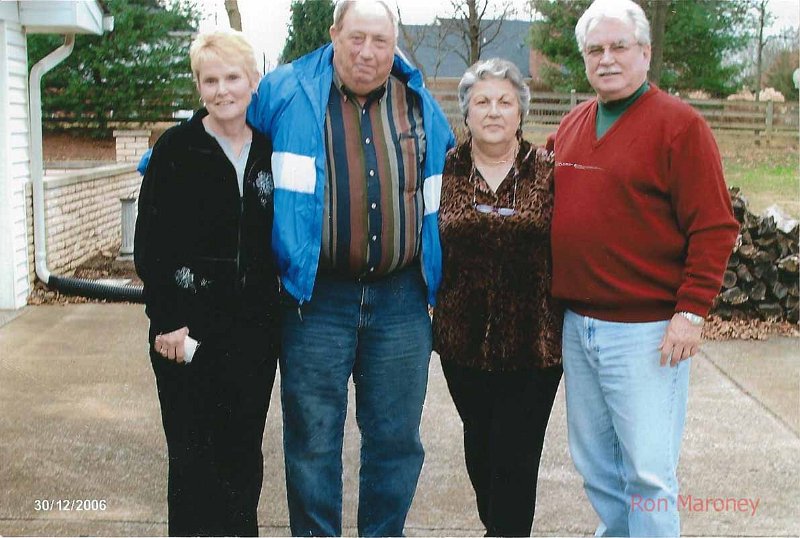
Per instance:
x=642, y=224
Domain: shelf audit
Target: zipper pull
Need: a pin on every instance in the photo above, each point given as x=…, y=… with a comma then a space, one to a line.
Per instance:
x=299, y=313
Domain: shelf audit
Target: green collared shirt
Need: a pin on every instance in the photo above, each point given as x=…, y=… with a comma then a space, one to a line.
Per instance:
x=608, y=113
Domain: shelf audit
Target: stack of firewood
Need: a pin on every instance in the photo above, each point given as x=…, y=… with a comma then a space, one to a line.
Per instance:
x=761, y=280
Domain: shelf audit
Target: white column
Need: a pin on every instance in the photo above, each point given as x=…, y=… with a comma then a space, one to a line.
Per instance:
x=14, y=165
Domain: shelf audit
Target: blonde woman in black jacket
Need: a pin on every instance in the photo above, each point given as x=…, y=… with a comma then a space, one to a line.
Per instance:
x=202, y=249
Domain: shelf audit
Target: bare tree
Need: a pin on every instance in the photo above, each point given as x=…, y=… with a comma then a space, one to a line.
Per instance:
x=763, y=18
x=464, y=33
x=425, y=36
x=234, y=16
x=658, y=17
x=441, y=40
x=470, y=23
x=413, y=41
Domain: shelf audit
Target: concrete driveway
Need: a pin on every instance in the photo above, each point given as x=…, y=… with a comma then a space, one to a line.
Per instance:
x=79, y=421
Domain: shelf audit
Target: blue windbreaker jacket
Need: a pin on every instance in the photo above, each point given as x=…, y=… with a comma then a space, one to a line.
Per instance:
x=290, y=107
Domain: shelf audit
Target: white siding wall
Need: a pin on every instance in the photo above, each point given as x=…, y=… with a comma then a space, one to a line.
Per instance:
x=14, y=165
x=9, y=11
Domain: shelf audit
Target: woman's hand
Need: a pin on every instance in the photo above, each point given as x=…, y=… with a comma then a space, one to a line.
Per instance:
x=170, y=345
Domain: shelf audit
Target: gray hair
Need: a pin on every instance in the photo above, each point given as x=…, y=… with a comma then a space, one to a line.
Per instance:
x=342, y=6
x=493, y=68
x=624, y=10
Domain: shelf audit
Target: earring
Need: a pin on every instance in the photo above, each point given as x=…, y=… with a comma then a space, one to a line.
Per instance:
x=200, y=99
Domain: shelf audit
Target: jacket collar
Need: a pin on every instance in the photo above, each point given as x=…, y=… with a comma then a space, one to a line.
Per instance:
x=200, y=139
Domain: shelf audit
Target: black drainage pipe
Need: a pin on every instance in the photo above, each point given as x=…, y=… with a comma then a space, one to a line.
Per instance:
x=96, y=290
x=66, y=285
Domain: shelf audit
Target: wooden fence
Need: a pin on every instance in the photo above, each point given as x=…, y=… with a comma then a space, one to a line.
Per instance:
x=763, y=120
x=770, y=121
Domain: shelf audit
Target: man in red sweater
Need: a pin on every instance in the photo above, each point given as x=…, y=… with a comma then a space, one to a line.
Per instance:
x=642, y=230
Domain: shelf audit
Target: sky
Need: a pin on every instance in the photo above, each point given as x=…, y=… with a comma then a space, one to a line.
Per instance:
x=264, y=22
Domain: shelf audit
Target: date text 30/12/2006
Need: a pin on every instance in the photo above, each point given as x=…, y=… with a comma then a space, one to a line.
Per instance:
x=691, y=503
x=70, y=505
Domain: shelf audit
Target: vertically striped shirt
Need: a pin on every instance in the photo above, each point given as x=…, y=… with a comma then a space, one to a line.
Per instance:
x=372, y=216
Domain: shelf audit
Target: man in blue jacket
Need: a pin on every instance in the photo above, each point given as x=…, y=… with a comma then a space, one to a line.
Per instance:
x=359, y=147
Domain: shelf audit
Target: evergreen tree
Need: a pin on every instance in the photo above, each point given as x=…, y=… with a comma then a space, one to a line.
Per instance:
x=700, y=38
x=308, y=28
x=139, y=72
x=554, y=36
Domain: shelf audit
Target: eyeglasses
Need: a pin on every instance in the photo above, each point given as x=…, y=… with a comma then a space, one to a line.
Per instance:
x=487, y=209
x=615, y=49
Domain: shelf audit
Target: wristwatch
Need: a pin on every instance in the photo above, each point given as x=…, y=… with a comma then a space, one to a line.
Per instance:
x=694, y=319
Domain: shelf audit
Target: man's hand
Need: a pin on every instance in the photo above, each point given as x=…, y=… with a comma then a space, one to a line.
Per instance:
x=681, y=341
x=170, y=345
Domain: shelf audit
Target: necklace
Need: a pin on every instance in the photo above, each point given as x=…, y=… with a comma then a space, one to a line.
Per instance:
x=508, y=157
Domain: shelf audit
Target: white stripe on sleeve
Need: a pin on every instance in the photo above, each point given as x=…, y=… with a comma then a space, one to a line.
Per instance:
x=293, y=172
x=432, y=193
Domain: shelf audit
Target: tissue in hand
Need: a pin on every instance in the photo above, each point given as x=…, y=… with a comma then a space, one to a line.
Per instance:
x=190, y=346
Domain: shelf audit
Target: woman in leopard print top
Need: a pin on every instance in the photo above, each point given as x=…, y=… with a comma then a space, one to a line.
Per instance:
x=496, y=328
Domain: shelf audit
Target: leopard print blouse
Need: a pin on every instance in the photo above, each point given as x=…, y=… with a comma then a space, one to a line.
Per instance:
x=494, y=310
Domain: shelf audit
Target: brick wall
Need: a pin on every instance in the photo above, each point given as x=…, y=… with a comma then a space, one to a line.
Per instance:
x=83, y=211
x=82, y=214
x=131, y=145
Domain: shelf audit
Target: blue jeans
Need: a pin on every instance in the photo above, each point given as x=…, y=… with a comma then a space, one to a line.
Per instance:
x=380, y=333
x=625, y=418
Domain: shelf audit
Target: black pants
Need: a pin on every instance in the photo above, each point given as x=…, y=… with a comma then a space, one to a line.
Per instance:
x=214, y=411
x=505, y=416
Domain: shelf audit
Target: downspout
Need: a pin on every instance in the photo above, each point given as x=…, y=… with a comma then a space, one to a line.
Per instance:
x=67, y=285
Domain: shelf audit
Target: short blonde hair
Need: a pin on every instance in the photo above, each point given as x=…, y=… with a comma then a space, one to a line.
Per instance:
x=229, y=46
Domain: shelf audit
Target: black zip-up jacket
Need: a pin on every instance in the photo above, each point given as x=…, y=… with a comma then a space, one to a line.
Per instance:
x=202, y=251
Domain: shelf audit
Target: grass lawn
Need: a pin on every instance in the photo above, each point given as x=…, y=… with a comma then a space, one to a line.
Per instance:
x=765, y=176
